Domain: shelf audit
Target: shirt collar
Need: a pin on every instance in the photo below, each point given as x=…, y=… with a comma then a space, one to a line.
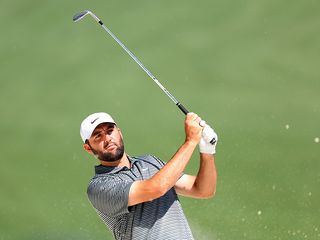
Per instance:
x=100, y=169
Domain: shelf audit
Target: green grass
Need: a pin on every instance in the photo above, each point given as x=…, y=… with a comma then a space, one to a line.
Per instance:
x=249, y=68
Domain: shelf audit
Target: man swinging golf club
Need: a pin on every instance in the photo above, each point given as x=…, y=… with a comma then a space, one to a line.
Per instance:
x=136, y=197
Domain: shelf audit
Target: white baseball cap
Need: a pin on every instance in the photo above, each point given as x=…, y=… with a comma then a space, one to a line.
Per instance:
x=91, y=122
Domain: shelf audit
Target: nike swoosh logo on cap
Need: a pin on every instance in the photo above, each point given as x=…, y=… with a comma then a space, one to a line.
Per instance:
x=92, y=122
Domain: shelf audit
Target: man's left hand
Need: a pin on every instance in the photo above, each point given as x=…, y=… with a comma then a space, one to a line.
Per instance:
x=207, y=135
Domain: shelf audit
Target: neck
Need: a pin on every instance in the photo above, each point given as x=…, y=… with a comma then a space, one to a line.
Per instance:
x=123, y=162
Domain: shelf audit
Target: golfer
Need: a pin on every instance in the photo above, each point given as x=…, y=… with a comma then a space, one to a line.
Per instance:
x=136, y=197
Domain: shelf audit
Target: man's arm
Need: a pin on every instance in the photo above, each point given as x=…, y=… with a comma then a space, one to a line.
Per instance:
x=165, y=179
x=204, y=184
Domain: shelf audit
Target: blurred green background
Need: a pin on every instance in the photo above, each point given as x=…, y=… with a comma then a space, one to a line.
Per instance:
x=250, y=68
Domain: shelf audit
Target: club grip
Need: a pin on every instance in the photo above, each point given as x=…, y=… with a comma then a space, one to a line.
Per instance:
x=182, y=108
x=185, y=111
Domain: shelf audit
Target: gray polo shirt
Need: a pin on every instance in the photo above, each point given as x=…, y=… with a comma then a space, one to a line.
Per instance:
x=162, y=218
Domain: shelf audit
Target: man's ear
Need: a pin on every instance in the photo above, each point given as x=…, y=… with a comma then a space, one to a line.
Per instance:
x=87, y=148
x=120, y=132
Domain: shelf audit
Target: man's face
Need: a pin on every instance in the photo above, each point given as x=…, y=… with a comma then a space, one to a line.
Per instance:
x=106, y=143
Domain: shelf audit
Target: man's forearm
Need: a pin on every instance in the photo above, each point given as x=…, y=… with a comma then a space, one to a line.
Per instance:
x=206, y=179
x=171, y=172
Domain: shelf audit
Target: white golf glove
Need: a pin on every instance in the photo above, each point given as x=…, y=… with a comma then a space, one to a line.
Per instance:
x=207, y=135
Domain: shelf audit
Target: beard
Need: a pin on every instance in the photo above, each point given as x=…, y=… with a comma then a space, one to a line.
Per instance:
x=110, y=157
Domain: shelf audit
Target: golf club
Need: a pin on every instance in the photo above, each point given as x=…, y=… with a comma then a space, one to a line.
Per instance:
x=79, y=16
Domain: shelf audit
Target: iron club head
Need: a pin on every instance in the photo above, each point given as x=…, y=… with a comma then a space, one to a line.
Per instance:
x=77, y=17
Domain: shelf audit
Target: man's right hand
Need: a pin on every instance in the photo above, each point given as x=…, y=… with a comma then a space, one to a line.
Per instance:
x=193, y=129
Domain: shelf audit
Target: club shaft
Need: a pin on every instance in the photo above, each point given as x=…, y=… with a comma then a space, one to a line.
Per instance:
x=79, y=16
x=173, y=99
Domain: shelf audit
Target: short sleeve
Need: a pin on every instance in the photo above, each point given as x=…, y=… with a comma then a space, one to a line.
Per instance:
x=161, y=163
x=109, y=195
